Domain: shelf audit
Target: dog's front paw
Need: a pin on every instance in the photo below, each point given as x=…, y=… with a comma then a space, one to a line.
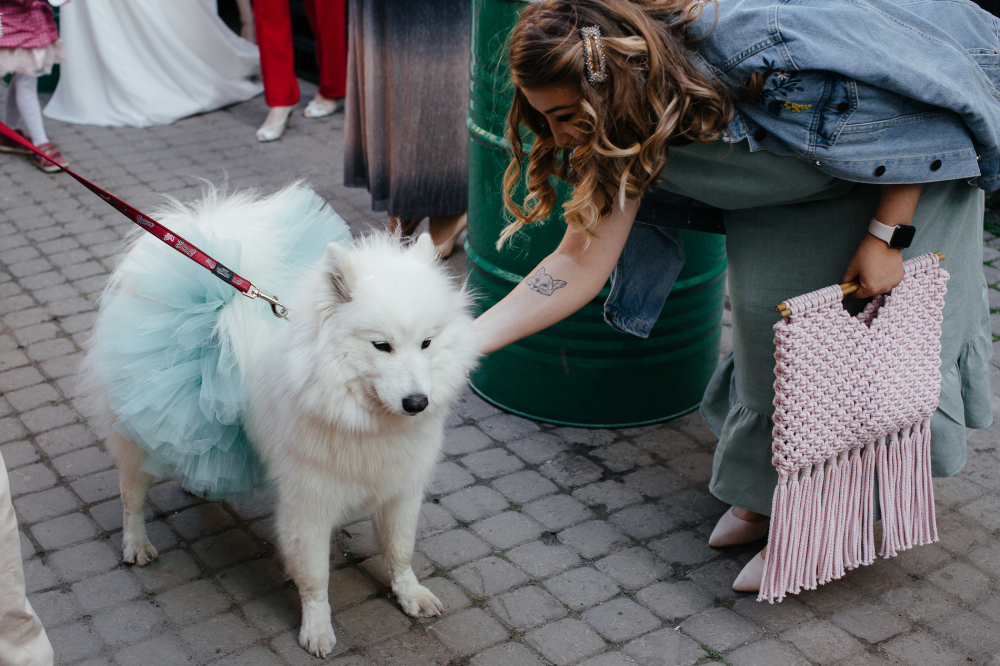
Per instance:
x=138, y=552
x=317, y=638
x=418, y=601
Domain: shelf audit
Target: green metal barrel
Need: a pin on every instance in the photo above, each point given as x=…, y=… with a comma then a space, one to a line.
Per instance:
x=581, y=371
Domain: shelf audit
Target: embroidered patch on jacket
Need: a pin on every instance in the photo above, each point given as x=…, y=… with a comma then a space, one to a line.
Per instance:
x=778, y=83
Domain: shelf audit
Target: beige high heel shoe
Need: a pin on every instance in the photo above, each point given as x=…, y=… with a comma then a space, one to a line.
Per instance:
x=445, y=246
x=752, y=574
x=733, y=531
x=278, y=119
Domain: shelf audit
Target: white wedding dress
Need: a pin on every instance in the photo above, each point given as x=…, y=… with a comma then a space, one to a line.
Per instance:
x=149, y=62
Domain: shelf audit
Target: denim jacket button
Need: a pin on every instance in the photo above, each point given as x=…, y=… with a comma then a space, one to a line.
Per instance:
x=879, y=171
x=935, y=165
x=843, y=106
x=759, y=134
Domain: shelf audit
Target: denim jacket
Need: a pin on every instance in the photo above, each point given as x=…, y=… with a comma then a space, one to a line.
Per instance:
x=871, y=91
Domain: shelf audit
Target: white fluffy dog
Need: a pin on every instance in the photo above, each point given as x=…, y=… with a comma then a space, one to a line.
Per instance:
x=346, y=400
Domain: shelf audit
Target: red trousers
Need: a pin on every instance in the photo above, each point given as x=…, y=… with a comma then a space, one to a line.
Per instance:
x=273, y=21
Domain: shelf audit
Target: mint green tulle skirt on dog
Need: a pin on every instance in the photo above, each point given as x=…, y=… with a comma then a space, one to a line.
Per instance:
x=168, y=370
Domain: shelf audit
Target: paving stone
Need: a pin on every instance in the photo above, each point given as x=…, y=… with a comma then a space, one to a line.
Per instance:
x=985, y=511
x=279, y=612
x=991, y=608
x=633, y=568
x=474, y=407
x=348, y=587
x=507, y=654
x=538, y=448
x=954, y=491
x=63, y=531
x=489, y=576
x=592, y=539
x=47, y=418
x=453, y=548
x=524, y=486
x=970, y=632
x=960, y=535
x=264, y=503
x=134, y=622
x=10, y=430
x=17, y=454
x=468, y=631
x=73, y=641
x=217, y=635
x=30, y=479
x=492, y=463
x=540, y=560
x=34, y=396
x=37, y=576
x=253, y=656
x=675, y=600
x=97, y=487
x=622, y=457
x=449, y=478
x=987, y=559
x=46, y=504
x=78, y=562
x=558, y=512
x=169, y=497
x=475, y=503
x=922, y=560
x=81, y=462
x=507, y=427
x=508, y=529
x=414, y=648
x=27, y=548
x=250, y=580
x=54, y=607
x=664, y=647
x=717, y=578
x=105, y=591
x=645, y=521
x=565, y=642
x=31, y=334
x=527, y=607
x=63, y=440
x=767, y=652
x=286, y=646
x=773, y=618
x=582, y=587
x=613, y=495
x=375, y=567
x=571, y=470
x=433, y=519
x=692, y=505
x=168, y=570
x=822, y=641
x=620, y=619
x=201, y=520
x=684, y=548
x=226, y=549
x=109, y=515
x=609, y=659
x=194, y=601
x=159, y=535
x=872, y=622
x=919, y=649
x=450, y=595
x=720, y=629
x=465, y=439
x=968, y=584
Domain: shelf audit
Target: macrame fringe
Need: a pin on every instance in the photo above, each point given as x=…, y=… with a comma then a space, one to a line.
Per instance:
x=822, y=517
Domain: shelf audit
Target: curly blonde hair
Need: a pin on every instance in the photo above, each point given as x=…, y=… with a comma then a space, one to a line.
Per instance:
x=654, y=97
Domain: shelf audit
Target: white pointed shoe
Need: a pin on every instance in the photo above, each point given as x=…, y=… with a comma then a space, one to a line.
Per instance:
x=733, y=531
x=273, y=128
x=316, y=109
x=749, y=579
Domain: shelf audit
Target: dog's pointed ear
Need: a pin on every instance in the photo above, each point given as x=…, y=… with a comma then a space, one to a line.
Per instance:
x=339, y=269
x=424, y=248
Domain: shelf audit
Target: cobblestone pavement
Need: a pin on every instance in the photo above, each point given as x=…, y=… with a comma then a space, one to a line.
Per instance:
x=547, y=545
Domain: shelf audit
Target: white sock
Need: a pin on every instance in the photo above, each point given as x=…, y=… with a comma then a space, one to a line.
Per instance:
x=26, y=87
x=10, y=115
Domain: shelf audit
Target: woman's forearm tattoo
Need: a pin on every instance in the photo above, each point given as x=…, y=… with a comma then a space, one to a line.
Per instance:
x=544, y=283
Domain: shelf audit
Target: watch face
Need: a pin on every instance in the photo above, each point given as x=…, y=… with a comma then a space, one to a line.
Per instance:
x=902, y=236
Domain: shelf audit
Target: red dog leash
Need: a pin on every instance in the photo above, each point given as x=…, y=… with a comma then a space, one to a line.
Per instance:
x=241, y=284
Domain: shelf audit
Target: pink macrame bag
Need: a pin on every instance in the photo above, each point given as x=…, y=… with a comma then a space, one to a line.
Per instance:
x=853, y=399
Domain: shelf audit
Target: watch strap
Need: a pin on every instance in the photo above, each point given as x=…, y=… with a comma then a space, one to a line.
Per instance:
x=881, y=231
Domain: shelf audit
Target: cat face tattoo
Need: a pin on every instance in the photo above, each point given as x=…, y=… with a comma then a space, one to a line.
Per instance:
x=544, y=283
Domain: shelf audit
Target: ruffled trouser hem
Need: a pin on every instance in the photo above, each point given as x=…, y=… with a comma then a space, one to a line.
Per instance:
x=36, y=61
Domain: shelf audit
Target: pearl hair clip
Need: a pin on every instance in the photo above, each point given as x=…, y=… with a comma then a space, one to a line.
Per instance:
x=593, y=54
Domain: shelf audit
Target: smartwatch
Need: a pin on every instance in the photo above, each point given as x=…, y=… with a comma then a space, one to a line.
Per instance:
x=899, y=236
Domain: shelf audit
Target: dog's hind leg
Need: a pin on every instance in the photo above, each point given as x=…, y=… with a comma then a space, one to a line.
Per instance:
x=136, y=548
x=304, y=527
x=396, y=530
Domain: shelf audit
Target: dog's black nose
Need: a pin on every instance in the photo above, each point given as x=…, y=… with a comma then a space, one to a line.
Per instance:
x=415, y=403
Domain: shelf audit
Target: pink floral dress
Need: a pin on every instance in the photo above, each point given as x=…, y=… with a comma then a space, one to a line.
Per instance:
x=29, y=38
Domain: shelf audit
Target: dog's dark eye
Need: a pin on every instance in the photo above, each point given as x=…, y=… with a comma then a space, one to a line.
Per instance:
x=425, y=344
x=383, y=347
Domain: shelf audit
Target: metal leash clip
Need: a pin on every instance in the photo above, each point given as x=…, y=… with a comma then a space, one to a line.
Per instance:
x=279, y=310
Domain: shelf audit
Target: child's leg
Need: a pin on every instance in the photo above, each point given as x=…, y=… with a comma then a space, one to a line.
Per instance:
x=25, y=86
x=10, y=115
